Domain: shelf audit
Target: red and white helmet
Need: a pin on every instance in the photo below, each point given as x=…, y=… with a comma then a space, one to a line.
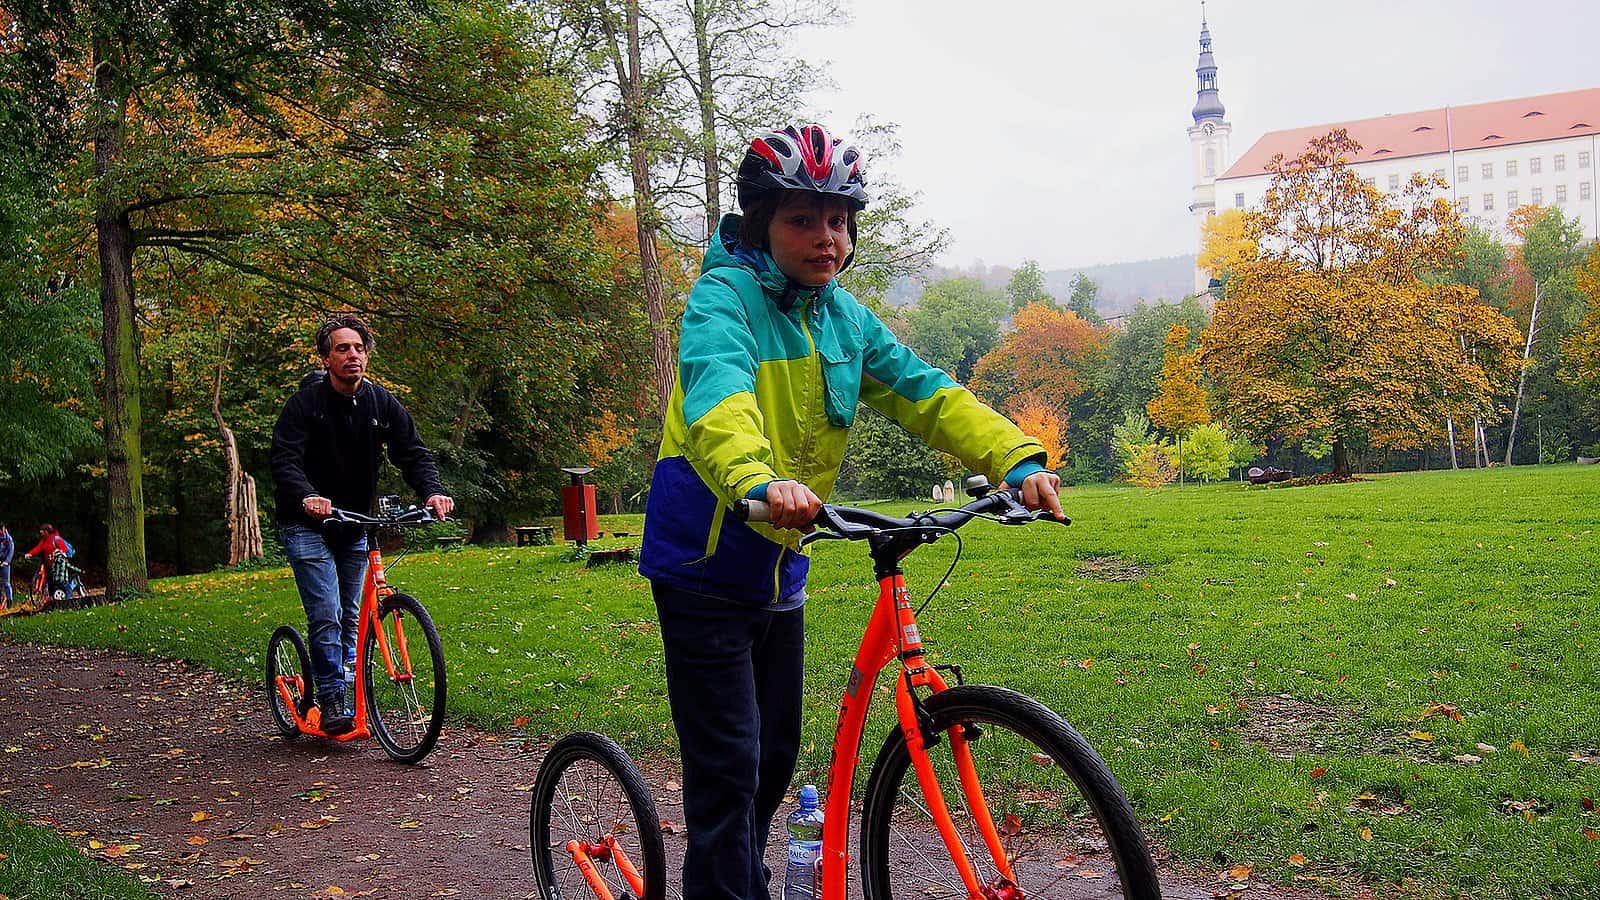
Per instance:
x=803, y=158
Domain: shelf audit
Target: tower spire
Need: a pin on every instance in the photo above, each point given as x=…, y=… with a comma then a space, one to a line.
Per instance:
x=1208, y=105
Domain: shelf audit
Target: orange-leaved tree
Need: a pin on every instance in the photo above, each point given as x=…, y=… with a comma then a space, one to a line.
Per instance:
x=1334, y=328
x=1039, y=421
x=1046, y=356
x=1225, y=244
x=1181, y=403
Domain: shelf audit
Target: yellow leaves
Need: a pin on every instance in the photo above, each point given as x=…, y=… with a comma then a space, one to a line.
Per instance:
x=1040, y=422
x=1420, y=736
x=1520, y=747
x=199, y=817
x=1366, y=834
x=100, y=763
x=1297, y=860
x=319, y=822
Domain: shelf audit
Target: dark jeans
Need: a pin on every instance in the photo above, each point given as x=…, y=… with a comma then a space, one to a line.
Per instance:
x=5, y=584
x=330, y=579
x=734, y=677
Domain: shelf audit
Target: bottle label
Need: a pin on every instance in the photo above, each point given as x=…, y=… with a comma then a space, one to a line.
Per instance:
x=804, y=853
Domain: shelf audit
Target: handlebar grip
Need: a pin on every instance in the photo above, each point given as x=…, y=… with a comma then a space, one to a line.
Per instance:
x=747, y=510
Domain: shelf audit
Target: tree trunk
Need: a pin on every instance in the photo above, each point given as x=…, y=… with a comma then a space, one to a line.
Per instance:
x=1450, y=425
x=1341, y=458
x=705, y=91
x=1522, y=377
x=125, y=548
x=630, y=80
x=239, y=490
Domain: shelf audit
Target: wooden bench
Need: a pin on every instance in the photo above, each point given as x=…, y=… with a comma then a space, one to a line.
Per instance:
x=536, y=535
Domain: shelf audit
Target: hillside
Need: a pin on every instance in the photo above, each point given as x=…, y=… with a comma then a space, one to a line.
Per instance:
x=1121, y=284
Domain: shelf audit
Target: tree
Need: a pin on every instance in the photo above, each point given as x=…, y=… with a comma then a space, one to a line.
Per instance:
x=1580, y=357
x=955, y=322
x=889, y=244
x=1548, y=255
x=1041, y=423
x=1480, y=265
x=108, y=78
x=1180, y=403
x=1209, y=454
x=1225, y=244
x=1333, y=328
x=1046, y=356
x=1085, y=293
x=1027, y=286
x=884, y=460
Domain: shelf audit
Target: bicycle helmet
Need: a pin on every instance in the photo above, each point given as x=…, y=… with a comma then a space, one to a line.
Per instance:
x=802, y=158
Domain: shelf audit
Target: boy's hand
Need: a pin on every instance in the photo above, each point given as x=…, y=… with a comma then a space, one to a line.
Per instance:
x=1040, y=491
x=793, y=505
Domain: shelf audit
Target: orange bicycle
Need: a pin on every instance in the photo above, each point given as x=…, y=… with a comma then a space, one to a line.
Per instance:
x=68, y=585
x=979, y=792
x=399, y=694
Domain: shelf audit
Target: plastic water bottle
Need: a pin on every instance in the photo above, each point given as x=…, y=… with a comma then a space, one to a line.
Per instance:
x=805, y=847
x=350, y=686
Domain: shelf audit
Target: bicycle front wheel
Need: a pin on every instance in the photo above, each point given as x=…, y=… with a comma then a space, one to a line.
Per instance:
x=1037, y=800
x=588, y=791
x=404, y=679
x=289, y=686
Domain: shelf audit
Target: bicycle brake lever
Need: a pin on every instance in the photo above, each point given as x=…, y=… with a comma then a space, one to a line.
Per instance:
x=820, y=534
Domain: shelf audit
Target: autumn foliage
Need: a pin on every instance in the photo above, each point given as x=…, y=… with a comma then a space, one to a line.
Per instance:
x=1045, y=358
x=1334, y=328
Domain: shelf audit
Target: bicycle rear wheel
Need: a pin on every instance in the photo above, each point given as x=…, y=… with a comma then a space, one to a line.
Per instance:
x=589, y=791
x=405, y=687
x=1059, y=818
x=288, y=673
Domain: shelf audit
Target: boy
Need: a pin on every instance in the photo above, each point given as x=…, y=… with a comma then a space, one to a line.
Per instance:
x=772, y=359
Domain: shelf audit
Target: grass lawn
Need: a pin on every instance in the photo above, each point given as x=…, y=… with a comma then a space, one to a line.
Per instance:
x=1316, y=671
x=38, y=864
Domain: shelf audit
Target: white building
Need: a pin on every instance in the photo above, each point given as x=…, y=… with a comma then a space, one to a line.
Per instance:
x=1495, y=156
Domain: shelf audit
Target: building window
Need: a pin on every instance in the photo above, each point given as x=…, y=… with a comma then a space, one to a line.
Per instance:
x=1238, y=200
x=1464, y=205
x=1536, y=196
x=1583, y=160
x=1394, y=182
x=1461, y=173
x=1583, y=190
x=1511, y=168
x=1535, y=166
x=1561, y=193
x=1488, y=203
x=1511, y=199
x=1211, y=162
x=1370, y=182
x=1439, y=174
x=1488, y=171
x=1561, y=162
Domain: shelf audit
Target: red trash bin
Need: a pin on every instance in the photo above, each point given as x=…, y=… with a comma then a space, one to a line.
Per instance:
x=578, y=521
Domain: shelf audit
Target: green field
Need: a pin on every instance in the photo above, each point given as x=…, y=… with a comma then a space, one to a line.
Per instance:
x=1262, y=685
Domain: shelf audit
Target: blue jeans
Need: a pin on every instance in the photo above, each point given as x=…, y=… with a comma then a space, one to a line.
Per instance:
x=330, y=579
x=5, y=583
x=735, y=673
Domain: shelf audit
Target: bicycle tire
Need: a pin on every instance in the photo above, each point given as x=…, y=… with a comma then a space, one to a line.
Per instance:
x=597, y=766
x=409, y=728
x=1060, y=814
x=278, y=663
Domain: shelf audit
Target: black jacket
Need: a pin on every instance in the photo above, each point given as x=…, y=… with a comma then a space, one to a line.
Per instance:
x=331, y=445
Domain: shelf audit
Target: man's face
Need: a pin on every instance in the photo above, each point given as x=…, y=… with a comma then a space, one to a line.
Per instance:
x=346, y=360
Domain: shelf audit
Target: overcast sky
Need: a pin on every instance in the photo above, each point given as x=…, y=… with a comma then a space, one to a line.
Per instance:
x=1054, y=129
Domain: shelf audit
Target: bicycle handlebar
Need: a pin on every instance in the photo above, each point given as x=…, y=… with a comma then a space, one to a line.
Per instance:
x=854, y=524
x=414, y=517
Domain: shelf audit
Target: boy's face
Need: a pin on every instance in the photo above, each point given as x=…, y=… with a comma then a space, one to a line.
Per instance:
x=809, y=237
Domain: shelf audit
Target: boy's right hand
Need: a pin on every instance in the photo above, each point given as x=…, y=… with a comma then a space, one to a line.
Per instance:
x=793, y=505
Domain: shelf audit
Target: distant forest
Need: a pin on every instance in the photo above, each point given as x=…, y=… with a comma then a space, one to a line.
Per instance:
x=1122, y=285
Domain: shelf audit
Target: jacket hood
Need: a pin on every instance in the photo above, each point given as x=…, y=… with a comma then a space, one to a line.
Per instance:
x=727, y=251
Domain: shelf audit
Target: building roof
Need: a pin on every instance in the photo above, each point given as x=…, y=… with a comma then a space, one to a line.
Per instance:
x=1480, y=125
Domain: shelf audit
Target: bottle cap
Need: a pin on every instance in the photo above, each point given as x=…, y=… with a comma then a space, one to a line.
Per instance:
x=808, y=797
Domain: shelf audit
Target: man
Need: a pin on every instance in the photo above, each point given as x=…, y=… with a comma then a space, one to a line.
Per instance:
x=7, y=547
x=326, y=453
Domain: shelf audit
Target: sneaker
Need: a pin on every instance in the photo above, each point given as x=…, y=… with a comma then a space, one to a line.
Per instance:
x=335, y=719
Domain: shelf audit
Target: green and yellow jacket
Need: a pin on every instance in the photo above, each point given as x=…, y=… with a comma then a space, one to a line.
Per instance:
x=768, y=380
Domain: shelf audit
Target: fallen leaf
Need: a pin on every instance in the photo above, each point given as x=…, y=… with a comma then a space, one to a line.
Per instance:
x=199, y=817
x=319, y=822
x=1318, y=772
x=1086, y=664
x=1520, y=747
x=1366, y=834
x=1297, y=859
x=1421, y=735
x=1240, y=872
x=198, y=840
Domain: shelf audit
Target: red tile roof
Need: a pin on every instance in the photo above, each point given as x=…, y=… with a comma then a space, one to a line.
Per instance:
x=1479, y=125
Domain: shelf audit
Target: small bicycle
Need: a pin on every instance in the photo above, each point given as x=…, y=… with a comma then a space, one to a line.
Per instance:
x=399, y=695
x=980, y=792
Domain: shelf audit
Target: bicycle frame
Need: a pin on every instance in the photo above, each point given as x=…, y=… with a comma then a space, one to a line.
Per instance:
x=584, y=854
x=373, y=587
x=892, y=632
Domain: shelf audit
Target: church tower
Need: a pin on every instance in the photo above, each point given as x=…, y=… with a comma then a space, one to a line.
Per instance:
x=1208, y=142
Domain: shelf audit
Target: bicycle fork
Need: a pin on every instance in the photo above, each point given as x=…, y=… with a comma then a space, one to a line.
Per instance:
x=917, y=726
x=586, y=854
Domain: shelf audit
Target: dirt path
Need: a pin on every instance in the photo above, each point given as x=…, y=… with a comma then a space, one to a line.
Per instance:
x=176, y=775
